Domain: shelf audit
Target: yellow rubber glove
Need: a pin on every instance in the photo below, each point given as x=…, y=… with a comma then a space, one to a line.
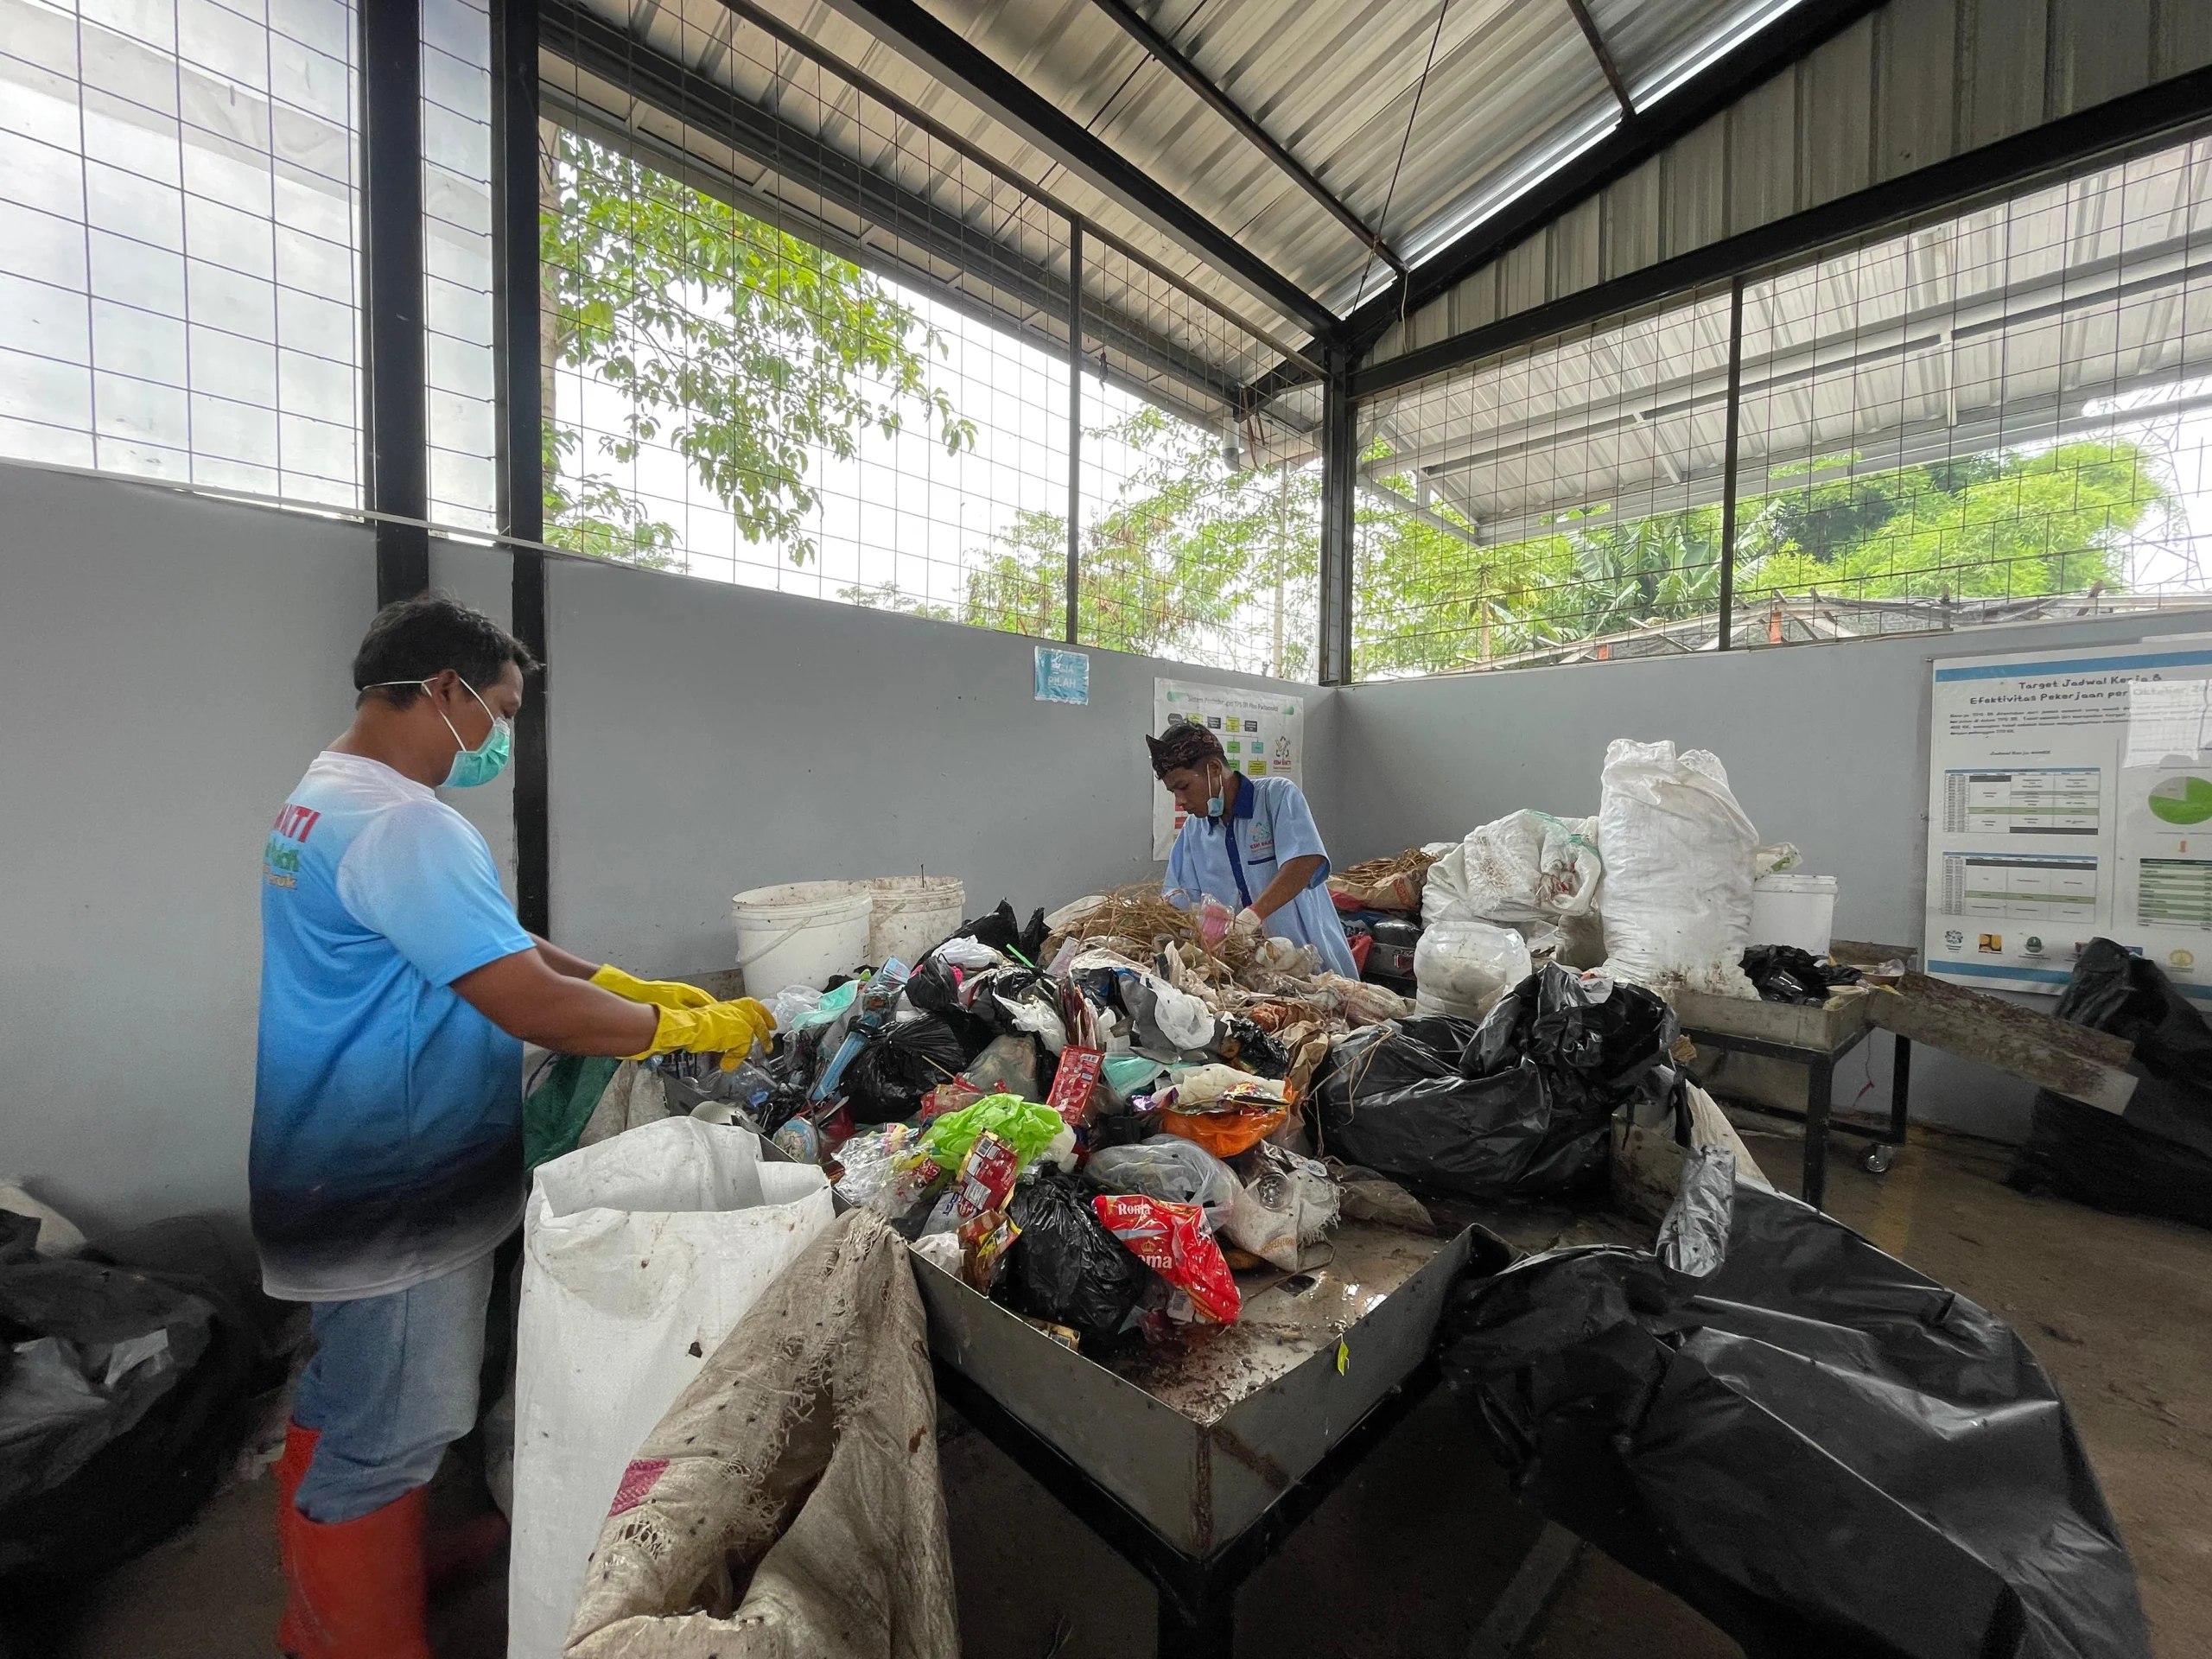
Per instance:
x=718, y=1028
x=655, y=993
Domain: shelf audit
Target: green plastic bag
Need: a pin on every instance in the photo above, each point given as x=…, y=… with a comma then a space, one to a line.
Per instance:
x=554, y=1114
x=1025, y=1127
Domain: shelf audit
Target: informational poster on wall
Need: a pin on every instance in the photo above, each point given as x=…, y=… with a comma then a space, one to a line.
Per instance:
x=2070, y=797
x=1262, y=733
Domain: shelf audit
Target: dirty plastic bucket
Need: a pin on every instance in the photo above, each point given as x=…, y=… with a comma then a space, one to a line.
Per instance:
x=801, y=933
x=1797, y=909
x=913, y=915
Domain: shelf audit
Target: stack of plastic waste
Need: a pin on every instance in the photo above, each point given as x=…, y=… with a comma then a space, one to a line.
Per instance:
x=1099, y=1132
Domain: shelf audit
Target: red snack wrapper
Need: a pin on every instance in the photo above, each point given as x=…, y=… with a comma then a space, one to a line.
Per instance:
x=1172, y=1241
x=986, y=1177
x=1073, y=1082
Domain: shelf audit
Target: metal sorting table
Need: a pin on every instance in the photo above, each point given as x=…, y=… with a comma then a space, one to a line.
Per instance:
x=1194, y=1461
x=1816, y=1039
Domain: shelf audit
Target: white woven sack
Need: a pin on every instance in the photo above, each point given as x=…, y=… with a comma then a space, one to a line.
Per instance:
x=1526, y=870
x=1678, y=870
x=640, y=1255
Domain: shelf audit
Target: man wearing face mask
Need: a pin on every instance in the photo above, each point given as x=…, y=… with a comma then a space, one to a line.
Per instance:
x=1250, y=843
x=397, y=991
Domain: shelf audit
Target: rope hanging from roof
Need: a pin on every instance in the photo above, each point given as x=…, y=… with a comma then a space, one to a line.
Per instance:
x=1404, y=138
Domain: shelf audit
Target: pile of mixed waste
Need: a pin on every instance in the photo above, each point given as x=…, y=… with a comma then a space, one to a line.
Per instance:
x=1101, y=1117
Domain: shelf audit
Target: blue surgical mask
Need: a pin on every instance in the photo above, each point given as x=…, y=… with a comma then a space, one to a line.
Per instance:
x=488, y=759
x=1213, y=801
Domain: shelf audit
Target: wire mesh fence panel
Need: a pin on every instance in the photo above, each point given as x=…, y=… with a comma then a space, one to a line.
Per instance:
x=799, y=335
x=1199, y=530
x=1995, y=415
x=461, y=412
x=1558, y=503
x=179, y=221
x=756, y=368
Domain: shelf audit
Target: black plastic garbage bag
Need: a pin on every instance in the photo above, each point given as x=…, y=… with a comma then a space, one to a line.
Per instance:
x=934, y=988
x=885, y=1081
x=1518, y=1104
x=151, y=1357
x=1065, y=1267
x=1238, y=1040
x=1783, y=973
x=1001, y=930
x=1825, y=1452
x=2155, y=1159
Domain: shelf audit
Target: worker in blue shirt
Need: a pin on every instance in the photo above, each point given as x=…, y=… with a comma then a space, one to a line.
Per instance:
x=397, y=992
x=1250, y=843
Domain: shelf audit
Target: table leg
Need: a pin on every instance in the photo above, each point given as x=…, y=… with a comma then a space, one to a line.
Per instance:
x=1201, y=1626
x=1900, y=1085
x=1819, y=1097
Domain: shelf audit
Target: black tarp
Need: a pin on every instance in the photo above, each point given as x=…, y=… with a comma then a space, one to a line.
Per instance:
x=1519, y=1103
x=1824, y=1451
x=2156, y=1159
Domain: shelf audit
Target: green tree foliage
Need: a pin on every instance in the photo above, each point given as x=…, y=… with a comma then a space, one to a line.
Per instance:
x=2013, y=524
x=1194, y=557
x=745, y=350
x=2054, y=521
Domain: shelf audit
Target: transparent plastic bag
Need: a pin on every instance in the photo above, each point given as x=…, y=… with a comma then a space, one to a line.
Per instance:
x=1284, y=1203
x=1167, y=1166
x=1463, y=964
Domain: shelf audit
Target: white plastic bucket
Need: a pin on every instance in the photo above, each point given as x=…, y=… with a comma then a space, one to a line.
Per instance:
x=801, y=933
x=1797, y=909
x=913, y=915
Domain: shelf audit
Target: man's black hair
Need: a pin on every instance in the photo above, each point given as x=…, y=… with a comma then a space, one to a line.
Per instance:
x=414, y=639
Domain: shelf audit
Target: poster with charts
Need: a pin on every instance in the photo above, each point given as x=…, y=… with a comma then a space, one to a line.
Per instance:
x=1262, y=733
x=2069, y=797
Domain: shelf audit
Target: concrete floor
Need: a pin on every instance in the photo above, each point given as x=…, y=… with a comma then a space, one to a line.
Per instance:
x=1405, y=1557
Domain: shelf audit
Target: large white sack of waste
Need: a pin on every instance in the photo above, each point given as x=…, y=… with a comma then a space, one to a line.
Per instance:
x=1526, y=869
x=1678, y=870
x=640, y=1254
x=1463, y=964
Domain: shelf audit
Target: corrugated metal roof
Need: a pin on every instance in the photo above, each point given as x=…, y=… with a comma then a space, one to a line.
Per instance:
x=2048, y=316
x=1513, y=92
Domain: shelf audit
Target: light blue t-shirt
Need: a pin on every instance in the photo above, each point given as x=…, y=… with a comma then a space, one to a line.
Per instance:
x=1235, y=859
x=387, y=1112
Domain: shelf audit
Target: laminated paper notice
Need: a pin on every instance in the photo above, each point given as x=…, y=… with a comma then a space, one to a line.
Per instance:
x=2071, y=798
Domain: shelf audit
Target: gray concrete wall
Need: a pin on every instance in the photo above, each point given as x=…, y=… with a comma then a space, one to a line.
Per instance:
x=168, y=667
x=169, y=664
x=709, y=738
x=1826, y=746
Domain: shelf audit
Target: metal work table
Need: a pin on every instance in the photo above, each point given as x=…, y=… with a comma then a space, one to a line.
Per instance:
x=1815, y=1038
x=1195, y=1463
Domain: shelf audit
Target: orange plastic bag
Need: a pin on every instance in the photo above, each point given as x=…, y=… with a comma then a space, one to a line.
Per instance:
x=1226, y=1133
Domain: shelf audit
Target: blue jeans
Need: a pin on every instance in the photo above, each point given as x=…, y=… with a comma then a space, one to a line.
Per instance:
x=392, y=1384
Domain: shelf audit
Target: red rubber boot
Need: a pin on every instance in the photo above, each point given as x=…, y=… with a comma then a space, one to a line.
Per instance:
x=359, y=1583
x=291, y=1470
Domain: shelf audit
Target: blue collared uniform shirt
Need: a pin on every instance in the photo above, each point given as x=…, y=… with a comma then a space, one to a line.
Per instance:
x=1233, y=860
